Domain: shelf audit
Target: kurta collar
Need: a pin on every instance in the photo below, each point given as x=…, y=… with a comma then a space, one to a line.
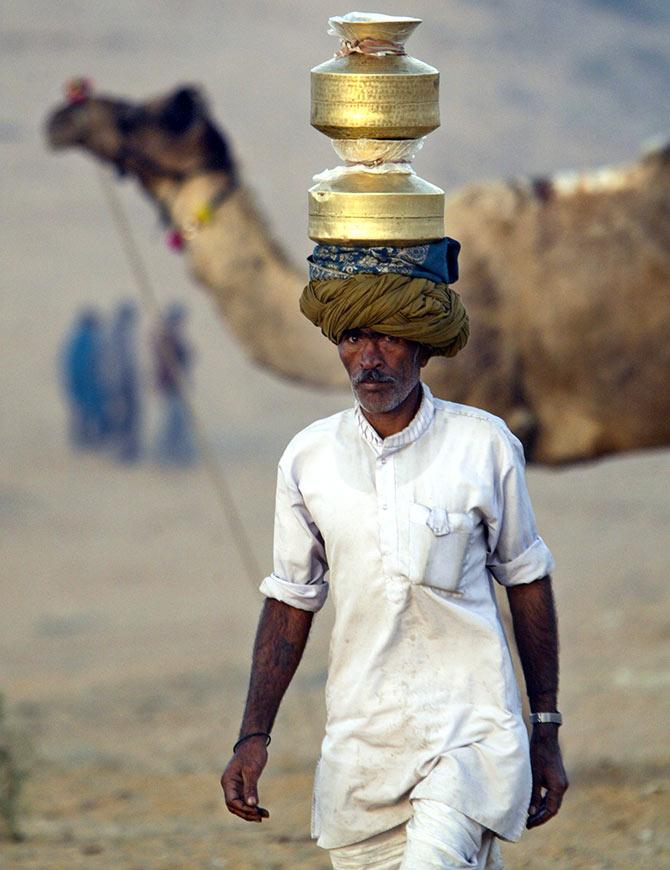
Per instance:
x=420, y=422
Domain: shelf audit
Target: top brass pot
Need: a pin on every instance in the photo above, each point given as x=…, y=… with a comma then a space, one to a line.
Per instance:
x=366, y=96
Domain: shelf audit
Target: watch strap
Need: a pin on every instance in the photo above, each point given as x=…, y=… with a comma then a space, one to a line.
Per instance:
x=546, y=718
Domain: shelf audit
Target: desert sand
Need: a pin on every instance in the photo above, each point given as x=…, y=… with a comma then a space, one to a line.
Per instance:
x=127, y=614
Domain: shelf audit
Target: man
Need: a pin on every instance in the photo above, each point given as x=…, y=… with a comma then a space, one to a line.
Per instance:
x=82, y=376
x=124, y=384
x=407, y=507
x=175, y=443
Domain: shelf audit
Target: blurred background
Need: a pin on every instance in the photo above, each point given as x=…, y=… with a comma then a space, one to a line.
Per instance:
x=127, y=610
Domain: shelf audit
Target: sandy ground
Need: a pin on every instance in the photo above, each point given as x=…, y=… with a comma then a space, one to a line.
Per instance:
x=127, y=615
x=137, y=820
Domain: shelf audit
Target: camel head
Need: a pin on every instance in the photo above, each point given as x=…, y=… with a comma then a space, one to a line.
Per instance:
x=166, y=138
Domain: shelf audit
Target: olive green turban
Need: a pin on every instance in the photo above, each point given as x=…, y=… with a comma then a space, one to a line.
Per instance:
x=412, y=308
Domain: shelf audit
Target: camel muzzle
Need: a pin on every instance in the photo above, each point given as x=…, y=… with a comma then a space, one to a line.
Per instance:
x=62, y=130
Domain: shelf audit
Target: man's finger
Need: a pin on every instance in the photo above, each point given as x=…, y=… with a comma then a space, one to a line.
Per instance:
x=232, y=787
x=239, y=808
x=233, y=791
x=545, y=809
x=552, y=801
x=250, y=780
x=535, y=799
x=539, y=818
x=249, y=814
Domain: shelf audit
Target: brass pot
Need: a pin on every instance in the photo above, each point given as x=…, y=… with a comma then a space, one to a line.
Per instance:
x=369, y=208
x=365, y=96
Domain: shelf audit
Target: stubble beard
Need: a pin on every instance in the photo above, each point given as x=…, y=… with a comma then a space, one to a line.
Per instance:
x=389, y=400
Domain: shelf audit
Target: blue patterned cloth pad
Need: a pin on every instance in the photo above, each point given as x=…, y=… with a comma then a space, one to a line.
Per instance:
x=435, y=261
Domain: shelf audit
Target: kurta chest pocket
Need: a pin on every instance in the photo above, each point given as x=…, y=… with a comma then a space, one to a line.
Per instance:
x=439, y=542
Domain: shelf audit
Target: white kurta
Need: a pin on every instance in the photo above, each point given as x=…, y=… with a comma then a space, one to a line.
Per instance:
x=408, y=533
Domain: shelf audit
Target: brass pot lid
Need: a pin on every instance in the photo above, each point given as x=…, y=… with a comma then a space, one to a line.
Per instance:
x=370, y=25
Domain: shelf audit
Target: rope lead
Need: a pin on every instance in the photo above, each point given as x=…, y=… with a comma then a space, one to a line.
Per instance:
x=149, y=298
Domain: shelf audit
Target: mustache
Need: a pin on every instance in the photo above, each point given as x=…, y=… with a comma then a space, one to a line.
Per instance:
x=372, y=376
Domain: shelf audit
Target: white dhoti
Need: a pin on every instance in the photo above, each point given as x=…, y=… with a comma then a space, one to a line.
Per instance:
x=436, y=836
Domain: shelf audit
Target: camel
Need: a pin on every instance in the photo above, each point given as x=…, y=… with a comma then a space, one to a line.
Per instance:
x=566, y=279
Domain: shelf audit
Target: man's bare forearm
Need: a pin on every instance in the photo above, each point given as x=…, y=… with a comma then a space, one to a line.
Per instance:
x=280, y=642
x=536, y=634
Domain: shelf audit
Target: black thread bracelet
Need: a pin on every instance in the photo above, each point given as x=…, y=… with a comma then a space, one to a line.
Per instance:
x=253, y=734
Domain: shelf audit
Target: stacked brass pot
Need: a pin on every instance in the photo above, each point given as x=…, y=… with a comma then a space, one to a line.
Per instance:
x=376, y=104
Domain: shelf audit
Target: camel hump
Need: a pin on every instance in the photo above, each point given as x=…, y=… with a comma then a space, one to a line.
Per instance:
x=507, y=198
x=502, y=199
x=655, y=156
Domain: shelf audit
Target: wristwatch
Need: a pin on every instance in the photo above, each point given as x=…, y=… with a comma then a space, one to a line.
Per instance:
x=542, y=718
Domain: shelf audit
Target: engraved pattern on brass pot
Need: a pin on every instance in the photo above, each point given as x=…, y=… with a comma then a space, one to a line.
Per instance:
x=362, y=96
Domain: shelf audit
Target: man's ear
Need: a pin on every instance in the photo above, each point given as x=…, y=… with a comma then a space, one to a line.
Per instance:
x=424, y=355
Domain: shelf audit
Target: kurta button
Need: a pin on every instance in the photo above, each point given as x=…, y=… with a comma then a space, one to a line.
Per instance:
x=384, y=507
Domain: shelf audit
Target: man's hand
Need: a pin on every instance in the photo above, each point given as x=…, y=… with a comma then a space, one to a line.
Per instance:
x=280, y=642
x=240, y=779
x=549, y=779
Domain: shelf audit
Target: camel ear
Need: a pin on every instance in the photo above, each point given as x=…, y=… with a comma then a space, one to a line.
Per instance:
x=182, y=109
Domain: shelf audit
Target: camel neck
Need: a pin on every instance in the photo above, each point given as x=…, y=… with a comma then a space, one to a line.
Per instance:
x=180, y=199
x=254, y=283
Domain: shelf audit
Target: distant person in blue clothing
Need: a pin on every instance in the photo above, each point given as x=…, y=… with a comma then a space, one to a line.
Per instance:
x=82, y=377
x=123, y=377
x=175, y=444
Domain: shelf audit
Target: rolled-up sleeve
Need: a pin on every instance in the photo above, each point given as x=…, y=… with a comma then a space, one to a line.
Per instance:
x=516, y=552
x=300, y=566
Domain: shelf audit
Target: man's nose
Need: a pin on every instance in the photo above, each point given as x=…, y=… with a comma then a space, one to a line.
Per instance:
x=370, y=356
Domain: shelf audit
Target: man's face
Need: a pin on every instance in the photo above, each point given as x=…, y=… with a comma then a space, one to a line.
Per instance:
x=383, y=369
